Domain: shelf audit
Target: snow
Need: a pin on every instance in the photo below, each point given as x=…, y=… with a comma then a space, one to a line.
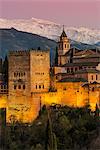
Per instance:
x=52, y=30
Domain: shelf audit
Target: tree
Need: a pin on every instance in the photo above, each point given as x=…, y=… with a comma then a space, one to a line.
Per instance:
x=97, y=111
x=56, y=57
x=5, y=69
x=51, y=142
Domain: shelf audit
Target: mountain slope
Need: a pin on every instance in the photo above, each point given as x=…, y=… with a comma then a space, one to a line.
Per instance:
x=52, y=30
x=12, y=39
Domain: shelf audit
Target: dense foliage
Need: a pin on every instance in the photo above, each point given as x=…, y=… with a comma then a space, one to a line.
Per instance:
x=56, y=128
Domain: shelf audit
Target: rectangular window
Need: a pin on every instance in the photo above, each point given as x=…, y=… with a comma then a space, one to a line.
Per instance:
x=14, y=87
x=39, y=86
x=19, y=87
x=1, y=86
x=96, y=77
x=24, y=87
x=92, y=77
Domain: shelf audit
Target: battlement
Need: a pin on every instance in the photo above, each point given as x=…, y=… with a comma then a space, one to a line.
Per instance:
x=40, y=50
x=26, y=52
x=19, y=53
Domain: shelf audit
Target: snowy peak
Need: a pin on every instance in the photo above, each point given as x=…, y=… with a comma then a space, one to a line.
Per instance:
x=52, y=30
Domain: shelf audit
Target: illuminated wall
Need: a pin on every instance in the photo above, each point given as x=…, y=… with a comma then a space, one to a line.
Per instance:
x=74, y=94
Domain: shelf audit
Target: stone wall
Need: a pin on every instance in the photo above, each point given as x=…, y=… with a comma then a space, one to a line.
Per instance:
x=19, y=73
x=40, y=71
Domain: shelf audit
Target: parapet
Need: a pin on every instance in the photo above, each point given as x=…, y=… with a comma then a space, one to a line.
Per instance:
x=19, y=53
x=40, y=50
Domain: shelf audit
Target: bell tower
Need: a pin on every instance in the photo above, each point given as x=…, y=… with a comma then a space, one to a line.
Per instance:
x=63, y=47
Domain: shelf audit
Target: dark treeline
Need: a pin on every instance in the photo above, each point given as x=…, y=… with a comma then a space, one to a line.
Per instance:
x=56, y=128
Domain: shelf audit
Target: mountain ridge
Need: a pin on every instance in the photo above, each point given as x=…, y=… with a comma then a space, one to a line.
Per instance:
x=52, y=30
x=12, y=39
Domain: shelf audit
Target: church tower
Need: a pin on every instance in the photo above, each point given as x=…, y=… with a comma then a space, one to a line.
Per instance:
x=63, y=48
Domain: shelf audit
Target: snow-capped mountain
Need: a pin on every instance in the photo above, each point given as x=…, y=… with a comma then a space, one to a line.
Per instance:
x=52, y=30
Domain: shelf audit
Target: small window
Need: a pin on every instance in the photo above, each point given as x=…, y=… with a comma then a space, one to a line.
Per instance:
x=21, y=74
x=80, y=68
x=24, y=73
x=19, y=87
x=4, y=86
x=96, y=77
x=68, y=70
x=64, y=88
x=36, y=86
x=43, y=86
x=75, y=69
x=92, y=77
x=14, y=74
x=93, y=89
x=39, y=86
x=24, y=87
x=1, y=86
x=65, y=45
x=15, y=87
x=71, y=69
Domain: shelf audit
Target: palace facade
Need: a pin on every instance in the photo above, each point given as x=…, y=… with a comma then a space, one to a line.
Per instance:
x=74, y=80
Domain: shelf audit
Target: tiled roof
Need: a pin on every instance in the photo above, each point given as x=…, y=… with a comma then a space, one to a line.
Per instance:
x=86, y=53
x=81, y=64
x=73, y=80
x=87, y=71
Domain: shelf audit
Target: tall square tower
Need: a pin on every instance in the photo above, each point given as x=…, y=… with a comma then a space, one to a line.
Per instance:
x=19, y=73
x=39, y=71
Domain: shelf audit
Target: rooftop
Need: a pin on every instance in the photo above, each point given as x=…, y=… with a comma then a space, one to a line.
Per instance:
x=63, y=34
x=73, y=80
x=80, y=64
x=88, y=71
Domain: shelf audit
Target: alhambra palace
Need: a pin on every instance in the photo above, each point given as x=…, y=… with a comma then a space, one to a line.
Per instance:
x=73, y=80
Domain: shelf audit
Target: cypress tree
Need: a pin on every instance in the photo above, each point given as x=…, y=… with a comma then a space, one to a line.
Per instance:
x=51, y=142
x=5, y=69
x=56, y=57
x=97, y=111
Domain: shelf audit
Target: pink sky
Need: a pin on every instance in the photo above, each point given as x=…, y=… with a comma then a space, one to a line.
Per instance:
x=68, y=12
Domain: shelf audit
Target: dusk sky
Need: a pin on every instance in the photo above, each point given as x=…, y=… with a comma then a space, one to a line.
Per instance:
x=68, y=12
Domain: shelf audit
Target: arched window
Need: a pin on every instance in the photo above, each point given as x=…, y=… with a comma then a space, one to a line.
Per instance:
x=43, y=86
x=1, y=86
x=15, y=87
x=14, y=74
x=93, y=89
x=68, y=70
x=39, y=86
x=92, y=77
x=24, y=87
x=96, y=77
x=19, y=87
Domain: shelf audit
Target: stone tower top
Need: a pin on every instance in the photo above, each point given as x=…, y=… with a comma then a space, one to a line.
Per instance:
x=63, y=44
x=63, y=33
